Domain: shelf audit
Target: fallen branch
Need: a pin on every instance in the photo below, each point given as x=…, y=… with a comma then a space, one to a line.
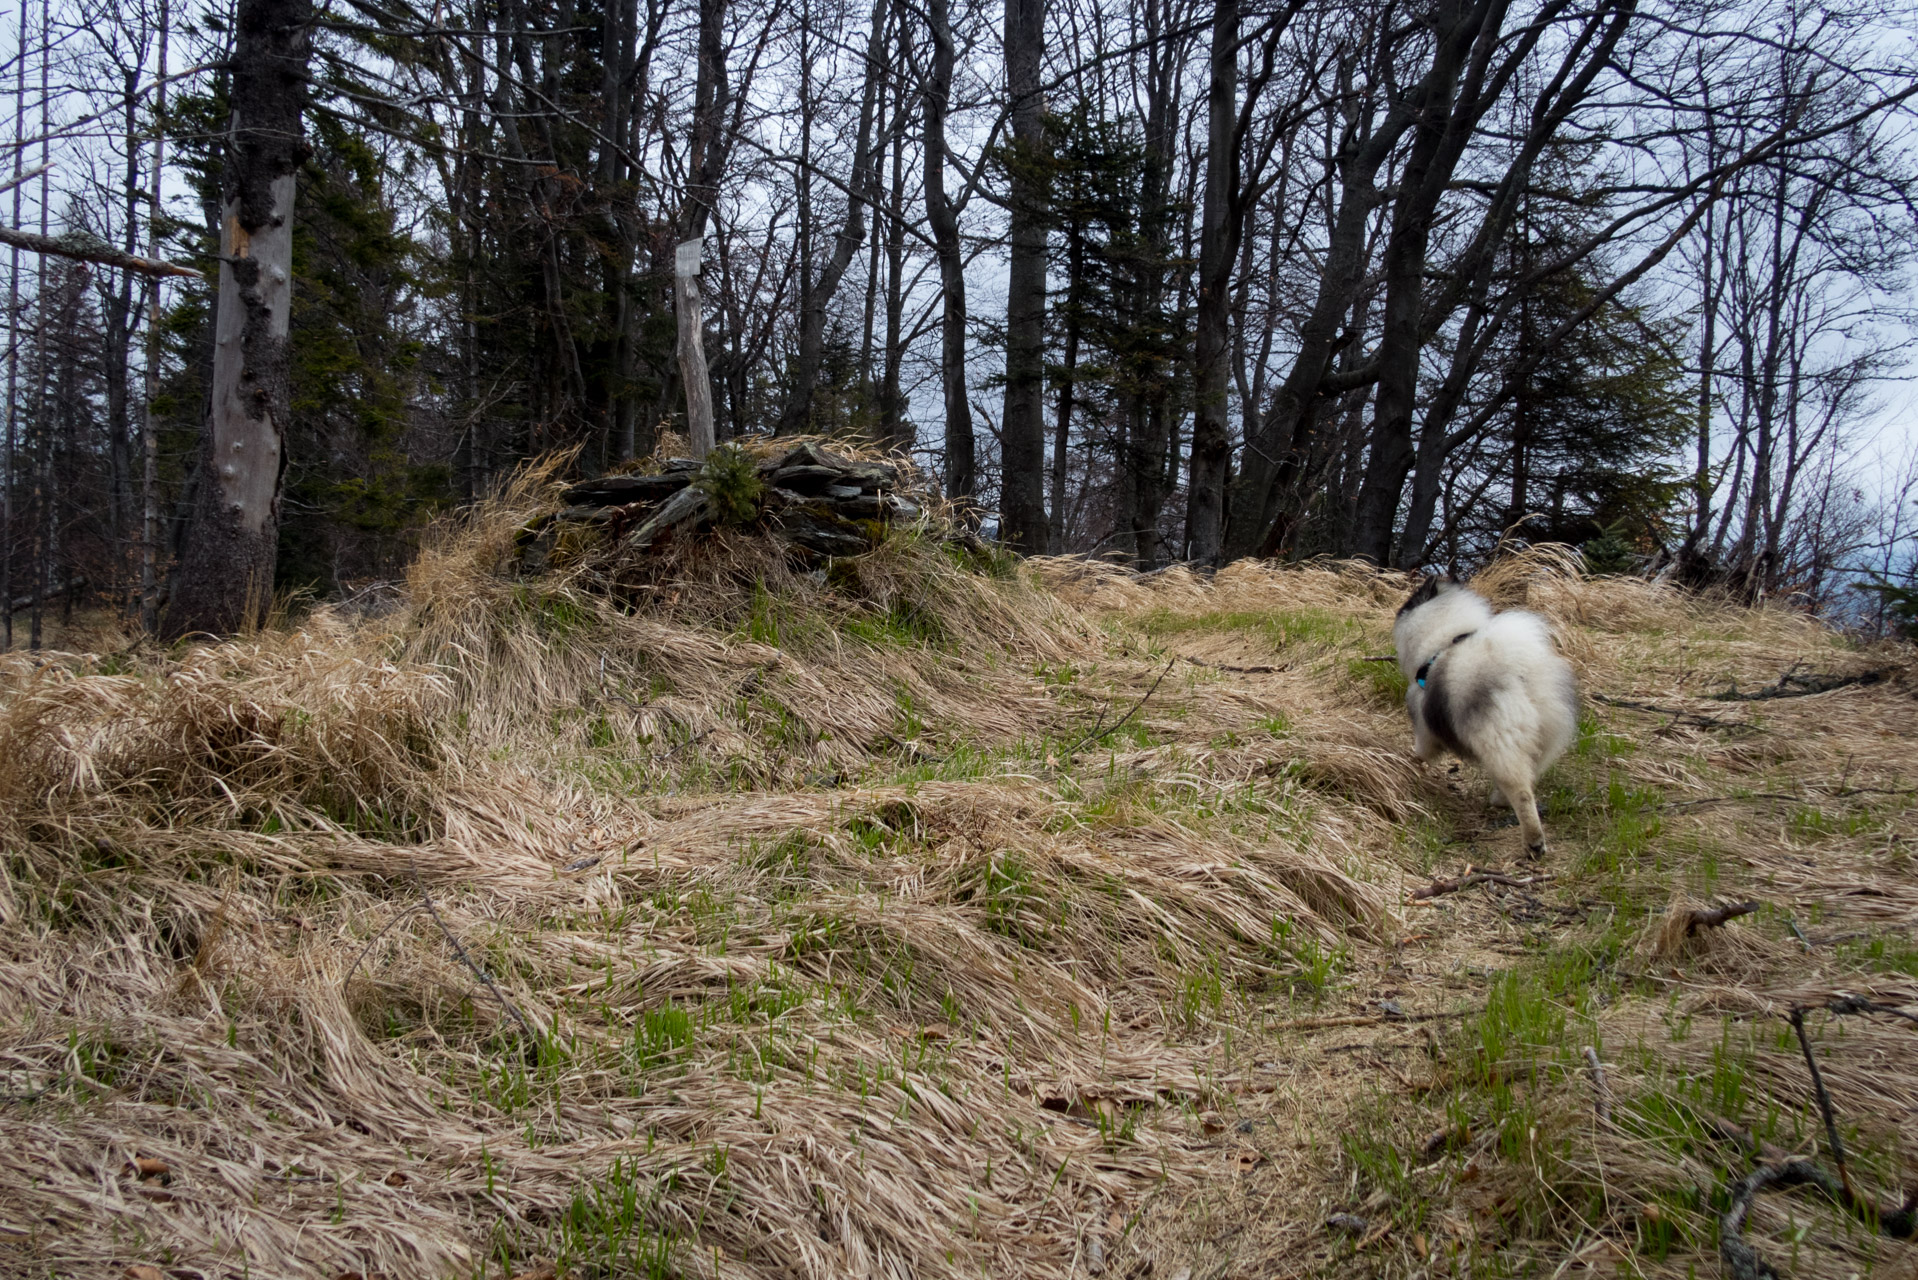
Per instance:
x=1474, y=876
x=53, y=590
x=1363, y=1020
x=1225, y=666
x=1792, y=685
x=1718, y=916
x=1740, y=1258
x=1677, y=713
x=1743, y=1262
x=84, y=248
x=1824, y=1104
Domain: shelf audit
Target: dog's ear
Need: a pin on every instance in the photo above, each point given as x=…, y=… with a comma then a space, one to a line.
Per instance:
x=1428, y=588
x=1444, y=582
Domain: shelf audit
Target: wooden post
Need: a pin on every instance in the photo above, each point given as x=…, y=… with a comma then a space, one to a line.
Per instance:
x=692, y=350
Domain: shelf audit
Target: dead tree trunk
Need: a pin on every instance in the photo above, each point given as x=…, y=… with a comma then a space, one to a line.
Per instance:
x=692, y=349
x=225, y=578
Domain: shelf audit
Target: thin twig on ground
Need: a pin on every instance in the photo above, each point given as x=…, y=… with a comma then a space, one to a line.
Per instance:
x=466, y=959
x=384, y=930
x=1677, y=713
x=1824, y=1103
x=1226, y=666
x=1363, y=1020
x=1473, y=876
x=1899, y=1223
x=1750, y=795
x=1835, y=793
x=1099, y=732
x=1859, y=1004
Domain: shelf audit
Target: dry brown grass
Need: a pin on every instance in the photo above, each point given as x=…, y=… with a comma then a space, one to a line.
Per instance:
x=848, y=947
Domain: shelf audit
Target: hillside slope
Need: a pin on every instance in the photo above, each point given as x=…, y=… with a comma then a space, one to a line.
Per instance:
x=938, y=918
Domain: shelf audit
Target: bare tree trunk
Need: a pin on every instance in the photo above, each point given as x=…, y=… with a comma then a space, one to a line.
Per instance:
x=1277, y=463
x=706, y=160
x=121, y=315
x=875, y=235
x=13, y=347
x=943, y=217
x=817, y=294
x=1146, y=449
x=149, y=430
x=1062, y=431
x=1022, y=506
x=692, y=350
x=225, y=579
x=1445, y=118
x=43, y=436
x=705, y=165
x=894, y=431
x=1211, y=448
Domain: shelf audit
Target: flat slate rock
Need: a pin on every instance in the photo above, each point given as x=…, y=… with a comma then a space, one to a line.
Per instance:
x=827, y=537
x=613, y=491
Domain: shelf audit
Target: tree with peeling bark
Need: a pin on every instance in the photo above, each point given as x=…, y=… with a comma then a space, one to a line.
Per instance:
x=224, y=582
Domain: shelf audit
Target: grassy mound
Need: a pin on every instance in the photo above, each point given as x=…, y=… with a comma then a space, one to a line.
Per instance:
x=924, y=915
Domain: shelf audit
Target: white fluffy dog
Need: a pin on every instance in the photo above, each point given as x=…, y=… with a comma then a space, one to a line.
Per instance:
x=1490, y=687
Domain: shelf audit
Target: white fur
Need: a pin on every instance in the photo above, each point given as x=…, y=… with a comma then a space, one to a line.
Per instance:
x=1510, y=700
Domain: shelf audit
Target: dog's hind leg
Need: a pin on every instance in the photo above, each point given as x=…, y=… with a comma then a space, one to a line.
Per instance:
x=1516, y=788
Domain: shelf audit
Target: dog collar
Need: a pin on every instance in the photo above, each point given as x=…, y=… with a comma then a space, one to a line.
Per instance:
x=1424, y=670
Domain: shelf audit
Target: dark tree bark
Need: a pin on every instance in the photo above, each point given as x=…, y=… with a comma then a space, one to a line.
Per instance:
x=1211, y=447
x=1022, y=507
x=894, y=431
x=706, y=161
x=224, y=582
x=942, y=216
x=1464, y=41
x=1277, y=468
x=815, y=295
x=1147, y=450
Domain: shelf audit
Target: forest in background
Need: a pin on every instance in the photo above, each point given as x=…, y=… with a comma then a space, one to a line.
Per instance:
x=1162, y=280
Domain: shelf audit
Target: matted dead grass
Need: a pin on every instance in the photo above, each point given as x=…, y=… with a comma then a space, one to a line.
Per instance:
x=887, y=927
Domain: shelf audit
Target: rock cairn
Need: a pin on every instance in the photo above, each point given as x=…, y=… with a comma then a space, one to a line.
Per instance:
x=821, y=502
